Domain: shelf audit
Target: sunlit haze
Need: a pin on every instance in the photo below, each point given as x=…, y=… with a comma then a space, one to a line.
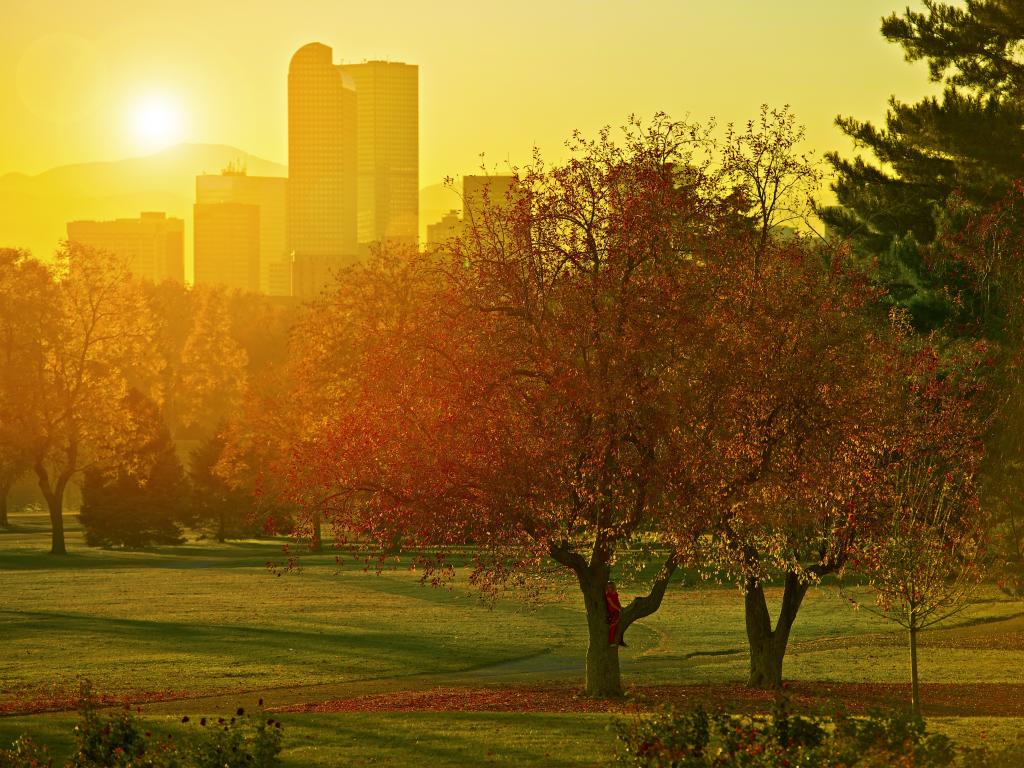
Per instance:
x=495, y=78
x=156, y=121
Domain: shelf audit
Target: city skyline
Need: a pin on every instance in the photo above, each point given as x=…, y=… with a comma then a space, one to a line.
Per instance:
x=81, y=90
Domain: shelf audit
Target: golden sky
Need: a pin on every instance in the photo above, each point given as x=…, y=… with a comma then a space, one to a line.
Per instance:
x=83, y=81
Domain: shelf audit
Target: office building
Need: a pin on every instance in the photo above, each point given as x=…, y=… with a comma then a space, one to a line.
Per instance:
x=227, y=245
x=153, y=245
x=387, y=151
x=234, y=187
x=448, y=227
x=321, y=218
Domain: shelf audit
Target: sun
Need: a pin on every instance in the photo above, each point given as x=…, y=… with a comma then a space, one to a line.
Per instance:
x=156, y=121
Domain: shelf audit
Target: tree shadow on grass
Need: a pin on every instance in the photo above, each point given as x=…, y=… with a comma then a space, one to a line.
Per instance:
x=355, y=646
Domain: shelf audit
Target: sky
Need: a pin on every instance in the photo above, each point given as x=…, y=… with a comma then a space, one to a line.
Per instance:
x=112, y=79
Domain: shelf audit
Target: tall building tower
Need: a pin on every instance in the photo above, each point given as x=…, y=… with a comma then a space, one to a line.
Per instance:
x=321, y=168
x=153, y=245
x=268, y=194
x=227, y=245
x=387, y=140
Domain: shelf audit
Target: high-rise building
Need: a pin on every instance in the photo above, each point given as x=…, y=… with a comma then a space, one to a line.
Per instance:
x=479, y=190
x=234, y=187
x=227, y=245
x=153, y=245
x=448, y=227
x=321, y=167
x=387, y=151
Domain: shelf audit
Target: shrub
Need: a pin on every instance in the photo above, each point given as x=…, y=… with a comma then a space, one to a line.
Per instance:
x=25, y=753
x=119, y=740
x=698, y=740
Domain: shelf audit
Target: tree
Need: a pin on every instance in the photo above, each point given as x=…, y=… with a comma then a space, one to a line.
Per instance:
x=538, y=388
x=982, y=249
x=73, y=412
x=969, y=141
x=25, y=287
x=926, y=563
x=140, y=508
x=227, y=511
x=924, y=554
x=212, y=376
x=777, y=181
x=804, y=371
x=807, y=375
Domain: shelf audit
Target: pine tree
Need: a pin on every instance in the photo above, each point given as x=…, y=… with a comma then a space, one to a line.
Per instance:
x=969, y=141
x=141, y=504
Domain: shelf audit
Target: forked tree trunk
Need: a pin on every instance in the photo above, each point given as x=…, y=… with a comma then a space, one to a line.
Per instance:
x=603, y=677
x=54, y=495
x=768, y=645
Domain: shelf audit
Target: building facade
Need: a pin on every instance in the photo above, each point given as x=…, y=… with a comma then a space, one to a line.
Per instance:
x=227, y=245
x=269, y=194
x=387, y=151
x=321, y=211
x=153, y=245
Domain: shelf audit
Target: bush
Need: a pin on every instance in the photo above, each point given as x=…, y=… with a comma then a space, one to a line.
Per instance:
x=698, y=740
x=25, y=753
x=121, y=741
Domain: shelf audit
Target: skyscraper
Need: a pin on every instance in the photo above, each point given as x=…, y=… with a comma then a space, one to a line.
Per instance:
x=153, y=244
x=321, y=167
x=227, y=245
x=269, y=194
x=387, y=141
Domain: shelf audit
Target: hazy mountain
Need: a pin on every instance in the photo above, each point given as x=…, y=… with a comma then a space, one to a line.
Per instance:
x=35, y=209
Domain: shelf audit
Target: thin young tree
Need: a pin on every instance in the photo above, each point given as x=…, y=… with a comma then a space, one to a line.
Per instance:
x=927, y=561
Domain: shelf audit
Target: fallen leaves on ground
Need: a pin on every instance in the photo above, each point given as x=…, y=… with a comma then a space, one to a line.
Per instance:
x=971, y=699
x=35, y=703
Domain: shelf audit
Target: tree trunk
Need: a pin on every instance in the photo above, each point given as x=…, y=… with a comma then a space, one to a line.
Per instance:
x=221, y=527
x=55, y=502
x=767, y=645
x=915, y=692
x=316, y=543
x=604, y=679
x=5, y=489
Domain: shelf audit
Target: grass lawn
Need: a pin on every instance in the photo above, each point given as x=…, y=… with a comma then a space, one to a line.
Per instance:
x=209, y=627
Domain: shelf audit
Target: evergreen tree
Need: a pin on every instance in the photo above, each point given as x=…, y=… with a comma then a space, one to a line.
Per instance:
x=218, y=508
x=140, y=504
x=941, y=208
x=968, y=141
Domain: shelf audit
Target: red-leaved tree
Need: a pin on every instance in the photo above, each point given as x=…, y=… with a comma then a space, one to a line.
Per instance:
x=544, y=388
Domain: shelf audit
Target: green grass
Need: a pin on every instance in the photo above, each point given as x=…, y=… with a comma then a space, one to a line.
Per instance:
x=211, y=621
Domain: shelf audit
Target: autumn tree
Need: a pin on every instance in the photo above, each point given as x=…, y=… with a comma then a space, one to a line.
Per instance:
x=212, y=368
x=25, y=299
x=925, y=562
x=73, y=411
x=539, y=388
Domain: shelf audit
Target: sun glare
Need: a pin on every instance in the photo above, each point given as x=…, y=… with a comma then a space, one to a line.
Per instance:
x=156, y=122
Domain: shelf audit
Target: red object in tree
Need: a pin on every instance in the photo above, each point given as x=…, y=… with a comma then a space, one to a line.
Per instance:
x=611, y=597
